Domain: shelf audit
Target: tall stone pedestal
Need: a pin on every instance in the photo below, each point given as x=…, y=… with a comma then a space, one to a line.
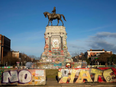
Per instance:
x=55, y=49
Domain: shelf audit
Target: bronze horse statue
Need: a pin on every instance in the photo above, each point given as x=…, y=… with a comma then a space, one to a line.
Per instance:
x=51, y=17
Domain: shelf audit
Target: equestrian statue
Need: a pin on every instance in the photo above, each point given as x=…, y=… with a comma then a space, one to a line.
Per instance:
x=54, y=16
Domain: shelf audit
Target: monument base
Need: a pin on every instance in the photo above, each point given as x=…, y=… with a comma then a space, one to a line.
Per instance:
x=55, y=49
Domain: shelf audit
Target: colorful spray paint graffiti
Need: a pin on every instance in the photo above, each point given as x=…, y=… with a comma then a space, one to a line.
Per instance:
x=23, y=77
x=81, y=75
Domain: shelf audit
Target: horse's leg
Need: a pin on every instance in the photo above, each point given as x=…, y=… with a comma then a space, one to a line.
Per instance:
x=51, y=23
x=58, y=22
x=48, y=22
x=62, y=22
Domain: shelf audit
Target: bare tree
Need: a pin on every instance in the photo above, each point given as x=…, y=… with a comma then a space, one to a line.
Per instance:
x=103, y=58
x=10, y=60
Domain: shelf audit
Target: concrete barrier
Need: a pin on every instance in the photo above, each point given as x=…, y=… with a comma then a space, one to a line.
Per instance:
x=23, y=77
x=82, y=75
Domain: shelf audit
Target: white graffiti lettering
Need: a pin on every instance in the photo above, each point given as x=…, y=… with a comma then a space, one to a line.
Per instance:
x=24, y=76
x=12, y=76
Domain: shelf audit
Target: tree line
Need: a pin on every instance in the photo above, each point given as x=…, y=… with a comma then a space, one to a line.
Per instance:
x=10, y=60
x=103, y=58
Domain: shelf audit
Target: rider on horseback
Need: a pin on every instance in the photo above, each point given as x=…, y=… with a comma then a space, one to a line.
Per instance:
x=53, y=15
x=54, y=11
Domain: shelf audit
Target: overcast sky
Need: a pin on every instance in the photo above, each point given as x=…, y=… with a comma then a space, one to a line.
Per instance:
x=91, y=24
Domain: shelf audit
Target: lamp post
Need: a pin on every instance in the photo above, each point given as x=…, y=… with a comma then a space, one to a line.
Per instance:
x=6, y=63
x=20, y=61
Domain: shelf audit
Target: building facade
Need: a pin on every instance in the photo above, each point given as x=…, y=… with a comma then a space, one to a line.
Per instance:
x=91, y=52
x=4, y=47
x=15, y=54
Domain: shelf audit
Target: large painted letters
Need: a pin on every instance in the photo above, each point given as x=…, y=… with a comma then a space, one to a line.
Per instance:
x=10, y=76
x=24, y=77
x=84, y=74
x=80, y=75
x=107, y=75
x=97, y=73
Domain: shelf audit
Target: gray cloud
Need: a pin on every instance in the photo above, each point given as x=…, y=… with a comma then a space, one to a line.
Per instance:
x=103, y=40
x=105, y=34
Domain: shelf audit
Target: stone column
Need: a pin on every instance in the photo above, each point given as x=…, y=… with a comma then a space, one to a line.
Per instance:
x=49, y=43
x=61, y=43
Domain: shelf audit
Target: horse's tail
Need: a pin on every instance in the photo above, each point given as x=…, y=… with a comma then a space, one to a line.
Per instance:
x=63, y=17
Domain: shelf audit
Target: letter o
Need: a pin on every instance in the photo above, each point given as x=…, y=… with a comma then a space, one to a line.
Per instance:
x=24, y=76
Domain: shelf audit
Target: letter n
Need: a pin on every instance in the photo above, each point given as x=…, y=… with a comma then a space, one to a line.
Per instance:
x=10, y=77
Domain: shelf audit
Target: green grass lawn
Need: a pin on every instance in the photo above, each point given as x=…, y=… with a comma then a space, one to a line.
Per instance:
x=51, y=74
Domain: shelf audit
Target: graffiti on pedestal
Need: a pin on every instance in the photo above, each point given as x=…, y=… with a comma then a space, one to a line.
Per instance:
x=81, y=75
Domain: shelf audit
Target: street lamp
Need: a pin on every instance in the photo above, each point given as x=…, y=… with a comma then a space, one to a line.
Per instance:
x=19, y=60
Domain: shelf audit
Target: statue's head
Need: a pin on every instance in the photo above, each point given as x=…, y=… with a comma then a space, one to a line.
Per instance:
x=45, y=14
x=54, y=7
